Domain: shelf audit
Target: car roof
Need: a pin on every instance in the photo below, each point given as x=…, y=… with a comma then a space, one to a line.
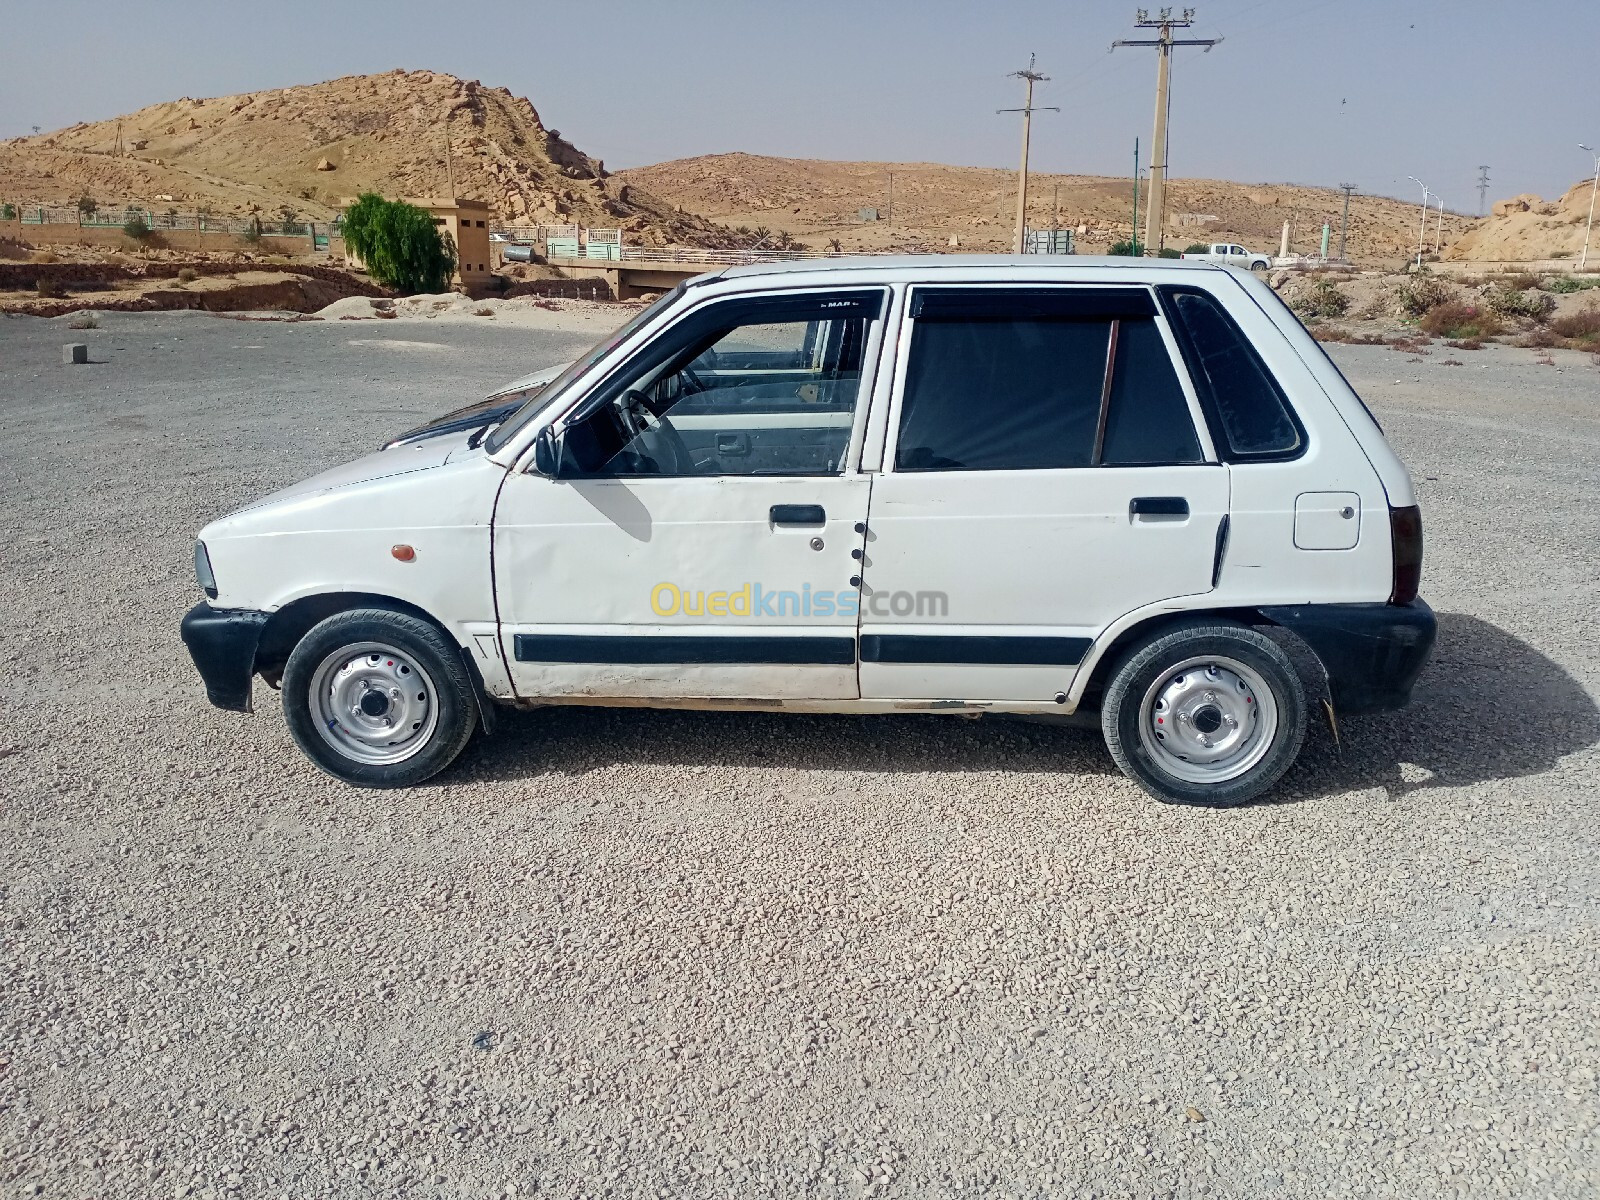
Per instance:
x=919, y=265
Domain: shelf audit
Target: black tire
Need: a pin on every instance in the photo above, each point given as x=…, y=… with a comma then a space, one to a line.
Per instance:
x=1148, y=662
x=451, y=702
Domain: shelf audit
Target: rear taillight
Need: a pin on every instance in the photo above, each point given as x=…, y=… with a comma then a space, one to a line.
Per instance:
x=1405, y=537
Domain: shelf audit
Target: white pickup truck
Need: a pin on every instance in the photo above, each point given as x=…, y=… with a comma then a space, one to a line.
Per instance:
x=1232, y=255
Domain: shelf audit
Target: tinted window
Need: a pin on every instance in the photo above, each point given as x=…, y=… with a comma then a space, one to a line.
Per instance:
x=1148, y=421
x=1002, y=395
x=1234, y=383
x=998, y=381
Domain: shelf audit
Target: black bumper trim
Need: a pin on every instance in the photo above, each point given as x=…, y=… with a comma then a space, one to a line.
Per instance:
x=1372, y=653
x=222, y=642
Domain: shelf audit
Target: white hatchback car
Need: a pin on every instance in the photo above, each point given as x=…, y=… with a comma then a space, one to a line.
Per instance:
x=887, y=485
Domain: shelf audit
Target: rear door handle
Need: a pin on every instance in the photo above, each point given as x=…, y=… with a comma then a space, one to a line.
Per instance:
x=798, y=514
x=1159, y=506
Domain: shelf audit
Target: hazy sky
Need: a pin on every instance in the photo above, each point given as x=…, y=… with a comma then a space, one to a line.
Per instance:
x=1309, y=91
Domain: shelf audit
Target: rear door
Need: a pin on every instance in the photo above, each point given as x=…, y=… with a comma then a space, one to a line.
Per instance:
x=1046, y=473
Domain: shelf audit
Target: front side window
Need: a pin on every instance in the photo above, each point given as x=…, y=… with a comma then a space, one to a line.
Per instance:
x=1236, y=388
x=767, y=386
x=1014, y=380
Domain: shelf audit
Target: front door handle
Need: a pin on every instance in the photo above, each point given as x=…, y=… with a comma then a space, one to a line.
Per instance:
x=798, y=514
x=1159, y=506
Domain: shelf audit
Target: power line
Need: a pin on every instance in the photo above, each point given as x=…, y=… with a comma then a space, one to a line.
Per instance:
x=1029, y=77
x=1165, y=22
x=1483, y=187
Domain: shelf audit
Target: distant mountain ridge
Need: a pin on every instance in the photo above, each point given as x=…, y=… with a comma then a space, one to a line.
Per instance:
x=819, y=199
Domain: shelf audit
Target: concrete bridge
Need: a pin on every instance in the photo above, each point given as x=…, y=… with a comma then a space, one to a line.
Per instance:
x=641, y=269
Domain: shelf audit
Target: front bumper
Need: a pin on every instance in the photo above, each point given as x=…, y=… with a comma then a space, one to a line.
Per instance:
x=1372, y=653
x=222, y=642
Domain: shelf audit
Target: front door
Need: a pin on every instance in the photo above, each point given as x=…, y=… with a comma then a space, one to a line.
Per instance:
x=697, y=540
x=1045, y=475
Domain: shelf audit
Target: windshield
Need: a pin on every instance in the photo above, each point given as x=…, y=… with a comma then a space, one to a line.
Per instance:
x=546, y=396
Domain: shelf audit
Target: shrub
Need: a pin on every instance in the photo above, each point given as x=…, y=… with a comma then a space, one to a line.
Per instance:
x=400, y=245
x=1423, y=293
x=8, y=212
x=1168, y=252
x=137, y=228
x=1466, y=344
x=1509, y=301
x=251, y=233
x=1452, y=319
x=483, y=312
x=1197, y=248
x=1569, y=283
x=1520, y=281
x=1127, y=249
x=187, y=275
x=44, y=256
x=1540, y=338
x=48, y=289
x=1324, y=299
x=1582, y=327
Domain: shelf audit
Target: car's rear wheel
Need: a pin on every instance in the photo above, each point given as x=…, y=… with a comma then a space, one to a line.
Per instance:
x=1209, y=714
x=377, y=698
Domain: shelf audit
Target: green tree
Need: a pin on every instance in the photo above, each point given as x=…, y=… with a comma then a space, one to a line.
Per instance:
x=8, y=212
x=399, y=243
x=136, y=227
x=87, y=207
x=1127, y=249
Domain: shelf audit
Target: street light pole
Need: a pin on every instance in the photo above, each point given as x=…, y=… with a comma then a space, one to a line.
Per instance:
x=1422, y=231
x=1584, y=257
x=1438, y=229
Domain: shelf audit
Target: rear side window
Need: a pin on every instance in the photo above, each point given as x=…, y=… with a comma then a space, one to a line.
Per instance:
x=1242, y=400
x=1013, y=380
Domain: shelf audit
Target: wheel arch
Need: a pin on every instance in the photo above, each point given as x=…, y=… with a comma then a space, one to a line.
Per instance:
x=294, y=620
x=1104, y=656
x=286, y=626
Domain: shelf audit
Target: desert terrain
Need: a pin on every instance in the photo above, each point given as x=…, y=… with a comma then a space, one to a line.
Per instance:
x=307, y=149
x=818, y=201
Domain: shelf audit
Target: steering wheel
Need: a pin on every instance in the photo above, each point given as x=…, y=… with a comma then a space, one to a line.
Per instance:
x=656, y=440
x=694, y=382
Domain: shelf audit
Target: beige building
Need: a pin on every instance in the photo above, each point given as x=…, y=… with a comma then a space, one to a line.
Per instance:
x=467, y=223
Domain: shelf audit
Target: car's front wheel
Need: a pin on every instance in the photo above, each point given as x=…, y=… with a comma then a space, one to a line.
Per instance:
x=1209, y=714
x=379, y=699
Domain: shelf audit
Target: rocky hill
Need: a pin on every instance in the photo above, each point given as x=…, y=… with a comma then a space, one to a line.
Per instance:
x=818, y=200
x=308, y=148
x=1526, y=228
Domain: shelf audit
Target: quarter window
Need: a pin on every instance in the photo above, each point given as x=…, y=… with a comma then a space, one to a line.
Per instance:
x=1003, y=380
x=1236, y=388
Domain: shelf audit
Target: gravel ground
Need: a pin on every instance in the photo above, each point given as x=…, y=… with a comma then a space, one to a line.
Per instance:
x=653, y=954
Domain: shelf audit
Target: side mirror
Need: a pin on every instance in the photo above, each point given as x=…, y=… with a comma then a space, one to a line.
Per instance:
x=547, y=454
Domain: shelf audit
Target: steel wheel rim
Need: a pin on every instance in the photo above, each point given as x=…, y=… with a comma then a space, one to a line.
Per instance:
x=1208, y=719
x=373, y=704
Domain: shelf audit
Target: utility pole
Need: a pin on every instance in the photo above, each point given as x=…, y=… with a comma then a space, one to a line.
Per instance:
x=1344, y=219
x=1029, y=77
x=1165, y=22
x=1483, y=187
x=1438, y=230
x=889, y=210
x=1055, y=215
x=1134, y=237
